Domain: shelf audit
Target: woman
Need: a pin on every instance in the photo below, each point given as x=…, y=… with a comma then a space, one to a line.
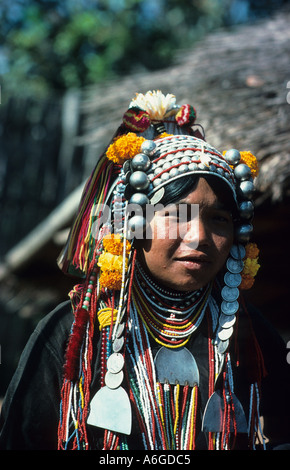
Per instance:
x=162, y=352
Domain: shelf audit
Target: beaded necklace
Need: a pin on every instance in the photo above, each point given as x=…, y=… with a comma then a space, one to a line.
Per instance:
x=169, y=318
x=168, y=413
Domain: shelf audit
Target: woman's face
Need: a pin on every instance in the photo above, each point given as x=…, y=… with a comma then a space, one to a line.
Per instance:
x=182, y=254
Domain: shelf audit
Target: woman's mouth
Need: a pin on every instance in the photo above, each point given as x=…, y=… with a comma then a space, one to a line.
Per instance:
x=193, y=262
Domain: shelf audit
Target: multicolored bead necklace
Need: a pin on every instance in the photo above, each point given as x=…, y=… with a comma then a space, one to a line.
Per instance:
x=170, y=318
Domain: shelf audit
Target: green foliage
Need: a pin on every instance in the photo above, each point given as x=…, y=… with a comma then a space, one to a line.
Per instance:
x=55, y=44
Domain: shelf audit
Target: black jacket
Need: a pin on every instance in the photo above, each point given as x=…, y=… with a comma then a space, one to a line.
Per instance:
x=30, y=412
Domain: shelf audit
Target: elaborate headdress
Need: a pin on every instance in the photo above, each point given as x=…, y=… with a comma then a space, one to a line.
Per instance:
x=157, y=143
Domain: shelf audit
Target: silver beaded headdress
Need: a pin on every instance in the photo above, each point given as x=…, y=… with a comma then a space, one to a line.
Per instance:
x=142, y=179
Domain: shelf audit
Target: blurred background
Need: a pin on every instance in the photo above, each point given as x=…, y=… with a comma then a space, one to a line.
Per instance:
x=69, y=69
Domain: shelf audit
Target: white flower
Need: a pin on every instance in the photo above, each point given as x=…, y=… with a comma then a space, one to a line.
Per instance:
x=157, y=105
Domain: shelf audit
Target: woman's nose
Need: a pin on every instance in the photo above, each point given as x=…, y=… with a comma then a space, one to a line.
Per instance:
x=196, y=233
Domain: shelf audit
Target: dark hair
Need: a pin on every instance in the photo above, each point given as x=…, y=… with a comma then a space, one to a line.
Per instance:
x=181, y=187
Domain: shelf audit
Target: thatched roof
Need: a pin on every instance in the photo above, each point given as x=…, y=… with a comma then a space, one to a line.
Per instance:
x=237, y=79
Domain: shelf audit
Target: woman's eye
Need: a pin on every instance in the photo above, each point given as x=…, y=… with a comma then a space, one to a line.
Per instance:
x=223, y=218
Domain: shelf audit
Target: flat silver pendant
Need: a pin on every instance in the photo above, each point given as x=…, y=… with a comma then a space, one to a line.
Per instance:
x=111, y=409
x=230, y=308
x=225, y=333
x=232, y=279
x=214, y=414
x=230, y=294
x=115, y=363
x=235, y=266
x=114, y=380
x=238, y=251
x=176, y=365
x=226, y=321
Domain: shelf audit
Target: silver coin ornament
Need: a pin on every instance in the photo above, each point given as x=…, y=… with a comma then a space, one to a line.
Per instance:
x=118, y=344
x=230, y=294
x=235, y=266
x=225, y=333
x=232, y=279
x=115, y=363
x=229, y=308
x=226, y=321
x=114, y=380
x=238, y=251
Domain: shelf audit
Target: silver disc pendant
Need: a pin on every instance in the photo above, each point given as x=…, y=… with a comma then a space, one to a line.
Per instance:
x=232, y=279
x=176, y=365
x=118, y=344
x=222, y=346
x=235, y=266
x=238, y=252
x=226, y=321
x=115, y=363
x=225, y=333
x=114, y=380
x=230, y=294
x=230, y=308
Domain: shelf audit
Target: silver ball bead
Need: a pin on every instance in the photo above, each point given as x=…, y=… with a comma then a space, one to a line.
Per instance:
x=244, y=233
x=246, y=209
x=232, y=156
x=242, y=172
x=173, y=172
x=137, y=225
x=148, y=147
x=139, y=180
x=140, y=199
x=247, y=188
x=141, y=161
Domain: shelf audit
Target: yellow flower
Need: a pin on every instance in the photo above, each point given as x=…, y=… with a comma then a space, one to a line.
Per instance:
x=251, y=267
x=113, y=243
x=109, y=262
x=124, y=147
x=249, y=159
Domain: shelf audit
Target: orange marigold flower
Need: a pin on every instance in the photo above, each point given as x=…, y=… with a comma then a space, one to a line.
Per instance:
x=252, y=251
x=247, y=282
x=113, y=243
x=124, y=147
x=111, y=279
x=249, y=159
